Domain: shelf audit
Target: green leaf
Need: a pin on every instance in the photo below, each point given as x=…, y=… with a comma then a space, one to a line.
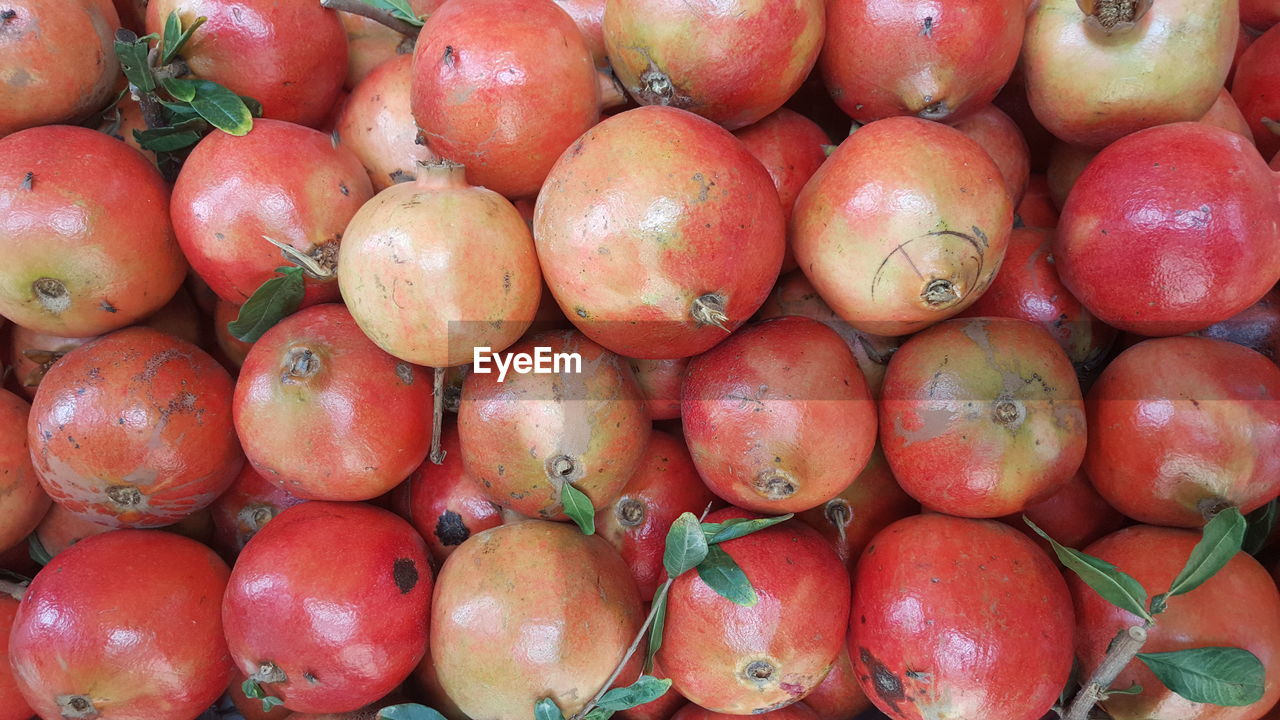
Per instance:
x=272, y=302
x=270, y=702
x=163, y=140
x=175, y=37
x=252, y=689
x=724, y=576
x=659, y=610
x=181, y=111
x=598, y=713
x=180, y=88
x=686, y=545
x=398, y=8
x=409, y=711
x=37, y=551
x=1219, y=543
x=546, y=709
x=132, y=54
x=578, y=507
x=222, y=108
x=1217, y=675
x=1114, y=585
x=1261, y=522
x=734, y=530
x=255, y=107
x=1133, y=689
x=646, y=689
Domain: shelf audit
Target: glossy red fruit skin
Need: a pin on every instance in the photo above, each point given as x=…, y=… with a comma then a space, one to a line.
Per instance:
x=933, y=600
x=667, y=52
x=1028, y=288
x=376, y=124
x=798, y=711
x=291, y=57
x=1036, y=208
x=1195, y=241
x=1257, y=327
x=1154, y=556
x=981, y=417
x=778, y=417
x=999, y=135
x=660, y=381
x=503, y=87
x=134, y=429
x=12, y=704
x=106, y=238
x=381, y=601
x=220, y=218
x=658, y=197
x=245, y=508
x=1180, y=425
x=792, y=635
x=82, y=632
x=59, y=61
x=444, y=502
x=936, y=60
x=22, y=501
x=840, y=696
x=665, y=485
x=1254, y=89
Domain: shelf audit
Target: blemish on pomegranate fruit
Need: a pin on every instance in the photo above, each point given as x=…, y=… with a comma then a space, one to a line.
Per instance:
x=28, y=180
x=108, y=307
x=887, y=685
x=450, y=529
x=405, y=373
x=448, y=55
x=52, y=295
x=927, y=29
x=342, y=187
x=405, y=572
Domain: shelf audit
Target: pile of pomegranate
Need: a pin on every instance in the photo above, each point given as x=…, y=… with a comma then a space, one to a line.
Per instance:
x=639, y=359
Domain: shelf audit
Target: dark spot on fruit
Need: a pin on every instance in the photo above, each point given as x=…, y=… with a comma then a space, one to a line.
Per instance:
x=448, y=55
x=886, y=684
x=343, y=188
x=400, y=176
x=109, y=307
x=450, y=529
x=311, y=678
x=581, y=312
x=405, y=374
x=28, y=180
x=405, y=573
x=927, y=30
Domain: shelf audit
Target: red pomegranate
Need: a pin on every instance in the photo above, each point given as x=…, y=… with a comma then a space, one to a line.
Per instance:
x=1154, y=556
x=733, y=63
x=1075, y=516
x=999, y=135
x=370, y=43
x=798, y=711
x=134, y=429
x=325, y=641
x=12, y=704
x=889, y=267
x=1179, y=427
x=1036, y=208
x=1170, y=230
x=531, y=610
x=944, y=648
x=58, y=59
x=778, y=417
x=503, y=87
x=1254, y=90
x=1226, y=115
x=935, y=59
x=660, y=382
x=981, y=417
x=22, y=501
x=436, y=268
x=85, y=644
x=84, y=252
x=742, y=660
x=588, y=15
x=226, y=229
x=1028, y=288
x=1089, y=64
x=245, y=508
x=60, y=529
x=689, y=255
x=526, y=436
x=665, y=485
x=1257, y=327
x=376, y=123
x=291, y=57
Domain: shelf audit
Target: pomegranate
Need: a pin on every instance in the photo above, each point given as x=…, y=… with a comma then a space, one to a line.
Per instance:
x=376, y=124
x=999, y=135
x=226, y=229
x=1154, y=556
x=665, y=485
x=871, y=503
x=694, y=57
x=503, y=87
x=778, y=417
x=248, y=505
x=659, y=233
x=981, y=417
x=892, y=268
x=525, y=437
x=12, y=704
x=1226, y=115
x=436, y=268
x=323, y=641
x=1257, y=327
x=134, y=429
x=1066, y=165
x=31, y=354
x=1170, y=230
x=85, y=253
x=1028, y=288
x=794, y=295
x=839, y=696
x=1091, y=65
x=798, y=711
x=1036, y=208
x=943, y=648
x=232, y=348
x=935, y=59
x=22, y=502
x=1075, y=516
x=588, y=15
x=531, y=610
x=85, y=645
x=1179, y=427
x=60, y=529
x=660, y=382
x=742, y=660
x=1254, y=90
x=371, y=44
x=291, y=57
x=59, y=61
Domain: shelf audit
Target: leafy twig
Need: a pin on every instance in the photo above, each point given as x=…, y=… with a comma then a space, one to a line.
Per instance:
x=377, y=14
x=631, y=651
x=1123, y=650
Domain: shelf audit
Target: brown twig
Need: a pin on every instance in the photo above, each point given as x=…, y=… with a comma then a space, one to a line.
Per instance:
x=1122, y=652
x=357, y=7
x=635, y=645
x=437, y=415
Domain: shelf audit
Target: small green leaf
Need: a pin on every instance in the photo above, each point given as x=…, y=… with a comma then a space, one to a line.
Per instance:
x=546, y=709
x=1219, y=542
x=1216, y=675
x=132, y=50
x=160, y=140
x=1114, y=585
x=272, y=302
x=1261, y=522
x=744, y=527
x=222, y=108
x=659, y=610
x=252, y=689
x=598, y=713
x=1159, y=603
x=724, y=576
x=270, y=702
x=175, y=37
x=180, y=88
x=398, y=8
x=686, y=545
x=181, y=111
x=409, y=711
x=1133, y=689
x=578, y=507
x=644, y=690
